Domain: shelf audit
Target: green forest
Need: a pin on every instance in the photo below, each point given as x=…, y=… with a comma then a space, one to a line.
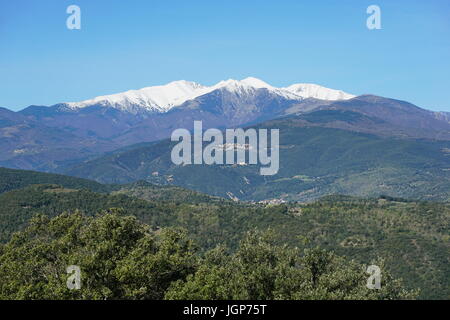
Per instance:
x=141, y=241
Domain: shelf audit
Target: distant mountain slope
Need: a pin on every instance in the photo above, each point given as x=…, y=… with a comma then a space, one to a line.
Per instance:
x=11, y=179
x=399, y=118
x=315, y=160
x=151, y=192
x=42, y=148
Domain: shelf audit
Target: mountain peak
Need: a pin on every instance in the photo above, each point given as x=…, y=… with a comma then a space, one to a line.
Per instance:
x=310, y=90
x=256, y=83
x=246, y=84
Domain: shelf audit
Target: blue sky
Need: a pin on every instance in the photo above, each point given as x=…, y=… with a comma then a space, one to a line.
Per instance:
x=132, y=44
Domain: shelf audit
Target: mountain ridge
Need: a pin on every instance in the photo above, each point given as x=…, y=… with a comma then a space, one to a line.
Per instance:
x=57, y=137
x=163, y=98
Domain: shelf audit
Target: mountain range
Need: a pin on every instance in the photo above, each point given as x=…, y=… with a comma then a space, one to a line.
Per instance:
x=48, y=138
x=159, y=99
x=343, y=139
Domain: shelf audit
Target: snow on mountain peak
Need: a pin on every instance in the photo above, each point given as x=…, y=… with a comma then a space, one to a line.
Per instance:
x=250, y=85
x=309, y=90
x=165, y=97
x=256, y=83
x=156, y=98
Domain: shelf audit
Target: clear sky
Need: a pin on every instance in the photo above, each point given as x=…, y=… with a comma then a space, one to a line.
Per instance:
x=132, y=44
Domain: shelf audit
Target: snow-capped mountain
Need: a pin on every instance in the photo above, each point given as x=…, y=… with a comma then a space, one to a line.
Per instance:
x=159, y=99
x=55, y=136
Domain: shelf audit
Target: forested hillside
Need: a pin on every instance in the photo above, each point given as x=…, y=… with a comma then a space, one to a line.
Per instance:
x=412, y=237
x=315, y=160
x=11, y=179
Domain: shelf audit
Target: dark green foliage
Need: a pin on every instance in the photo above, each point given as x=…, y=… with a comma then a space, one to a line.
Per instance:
x=260, y=269
x=119, y=259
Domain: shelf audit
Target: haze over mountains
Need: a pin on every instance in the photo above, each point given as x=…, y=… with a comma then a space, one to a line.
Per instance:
x=76, y=137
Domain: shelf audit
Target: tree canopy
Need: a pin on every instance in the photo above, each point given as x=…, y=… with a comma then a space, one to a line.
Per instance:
x=122, y=258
